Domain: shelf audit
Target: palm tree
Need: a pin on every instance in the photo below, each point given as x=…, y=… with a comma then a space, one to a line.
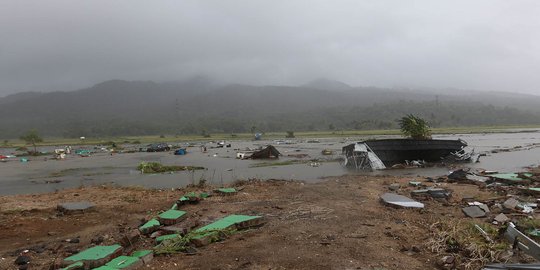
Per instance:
x=414, y=127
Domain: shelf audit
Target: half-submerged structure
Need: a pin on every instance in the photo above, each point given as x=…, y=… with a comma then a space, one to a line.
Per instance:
x=268, y=152
x=379, y=154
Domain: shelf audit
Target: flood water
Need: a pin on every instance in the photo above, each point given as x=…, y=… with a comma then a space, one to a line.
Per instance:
x=43, y=174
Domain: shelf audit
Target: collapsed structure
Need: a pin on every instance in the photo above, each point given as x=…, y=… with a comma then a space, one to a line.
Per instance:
x=265, y=153
x=379, y=154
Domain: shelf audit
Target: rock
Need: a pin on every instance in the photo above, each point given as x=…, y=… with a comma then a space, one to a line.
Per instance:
x=38, y=249
x=130, y=238
x=446, y=262
x=97, y=240
x=75, y=207
x=156, y=234
x=73, y=240
x=394, y=187
x=22, y=260
x=457, y=175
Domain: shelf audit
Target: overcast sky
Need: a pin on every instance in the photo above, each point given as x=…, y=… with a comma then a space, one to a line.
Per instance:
x=66, y=44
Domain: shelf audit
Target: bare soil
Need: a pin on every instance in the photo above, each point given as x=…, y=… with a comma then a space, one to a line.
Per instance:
x=339, y=223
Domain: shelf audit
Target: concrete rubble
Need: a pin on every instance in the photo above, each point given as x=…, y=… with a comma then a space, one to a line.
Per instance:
x=166, y=229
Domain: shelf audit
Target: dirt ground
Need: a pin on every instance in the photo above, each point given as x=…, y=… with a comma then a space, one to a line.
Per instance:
x=339, y=223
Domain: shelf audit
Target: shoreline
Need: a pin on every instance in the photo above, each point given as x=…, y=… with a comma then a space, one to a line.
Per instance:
x=271, y=135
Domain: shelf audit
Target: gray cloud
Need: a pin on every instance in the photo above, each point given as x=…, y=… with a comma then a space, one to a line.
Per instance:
x=65, y=44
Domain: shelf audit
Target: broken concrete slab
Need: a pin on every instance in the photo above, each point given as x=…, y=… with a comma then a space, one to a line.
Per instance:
x=482, y=206
x=145, y=255
x=233, y=222
x=125, y=262
x=401, y=201
x=501, y=218
x=95, y=256
x=171, y=217
x=511, y=204
x=473, y=211
x=75, y=207
x=238, y=221
x=150, y=226
x=439, y=193
x=183, y=230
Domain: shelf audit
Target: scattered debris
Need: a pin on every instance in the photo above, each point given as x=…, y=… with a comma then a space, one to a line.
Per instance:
x=484, y=234
x=180, y=152
x=521, y=241
x=531, y=266
x=436, y=193
x=360, y=156
x=327, y=152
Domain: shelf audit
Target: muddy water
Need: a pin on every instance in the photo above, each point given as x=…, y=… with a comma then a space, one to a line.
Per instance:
x=47, y=175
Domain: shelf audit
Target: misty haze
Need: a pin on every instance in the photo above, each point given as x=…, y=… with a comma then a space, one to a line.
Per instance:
x=269, y=134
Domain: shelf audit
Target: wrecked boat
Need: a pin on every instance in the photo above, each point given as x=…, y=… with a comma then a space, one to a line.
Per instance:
x=378, y=154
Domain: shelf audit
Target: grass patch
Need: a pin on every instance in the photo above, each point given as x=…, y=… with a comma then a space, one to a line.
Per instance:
x=184, y=243
x=156, y=167
x=268, y=135
x=467, y=244
x=65, y=172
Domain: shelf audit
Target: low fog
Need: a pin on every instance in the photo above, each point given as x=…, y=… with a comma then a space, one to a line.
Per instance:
x=66, y=45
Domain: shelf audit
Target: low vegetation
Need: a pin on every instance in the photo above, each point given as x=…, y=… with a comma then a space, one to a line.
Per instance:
x=464, y=241
x=156, y=167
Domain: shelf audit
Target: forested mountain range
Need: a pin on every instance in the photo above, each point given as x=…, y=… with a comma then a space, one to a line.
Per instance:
x=119, y=107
